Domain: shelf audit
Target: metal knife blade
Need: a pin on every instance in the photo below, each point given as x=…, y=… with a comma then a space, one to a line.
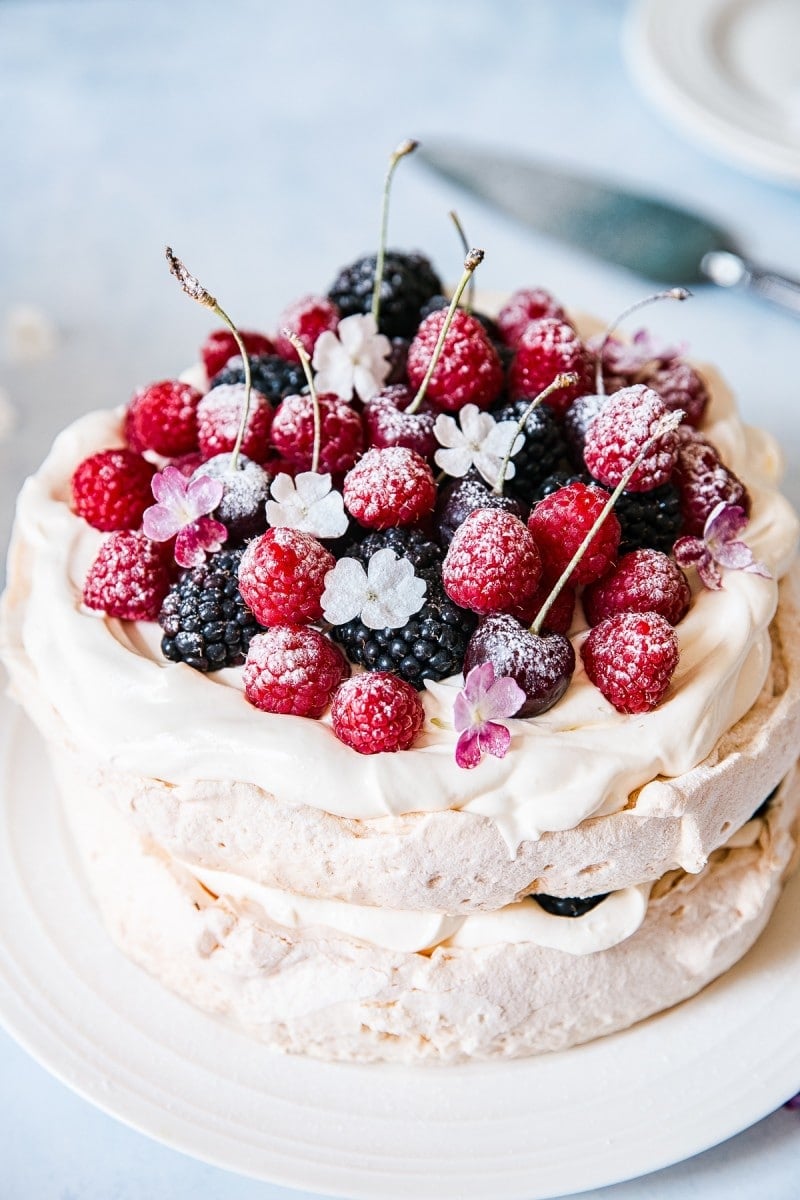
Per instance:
x=648, y=236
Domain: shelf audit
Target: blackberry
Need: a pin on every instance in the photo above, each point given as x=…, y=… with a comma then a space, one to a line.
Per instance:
x=567, y=906
x=650, y=518
x=464, y=496
x=206, y=623
x=406, y=543
x=431, y=645
x=544, y=449
x=273, y=376
x=408, y=282
x=577, y=419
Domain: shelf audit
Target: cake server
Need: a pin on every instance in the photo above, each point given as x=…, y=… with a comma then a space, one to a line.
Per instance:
x=645, y=235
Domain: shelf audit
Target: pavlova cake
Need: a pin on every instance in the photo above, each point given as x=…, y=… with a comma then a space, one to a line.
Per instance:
x=420, y=684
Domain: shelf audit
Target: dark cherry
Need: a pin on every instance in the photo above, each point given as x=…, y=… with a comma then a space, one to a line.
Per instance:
x=567, y=906
x=541, y=665
x=388, y=424
x=464, y=496
x=242, y=509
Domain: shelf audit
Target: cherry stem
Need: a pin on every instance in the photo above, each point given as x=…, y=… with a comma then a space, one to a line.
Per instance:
x=469, y=303
x=195, y=290
x=560, y=381
x=473, y=260
x=305, y=363
x=406, y=147
x=667, y=423
x=671, y=294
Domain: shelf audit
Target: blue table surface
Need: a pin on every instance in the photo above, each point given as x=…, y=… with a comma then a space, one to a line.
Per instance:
x=254, y=136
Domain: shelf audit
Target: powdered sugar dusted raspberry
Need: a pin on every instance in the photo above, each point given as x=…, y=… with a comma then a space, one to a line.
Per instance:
x=703, y=482
x=524, y=306
x=561, y=521
x=219, y=415
x=220, y=345
x=617, y=435
x=128, y=579
x=631, y=658
x=293, y=669
x=377, y=712
x=493, y=562
x=282, y=577
x=342, y=436
x=643, y=581
x=469, y=370
x=111, y=489
x=547, y=348
x=307, y=318
x=388, y=424
x=680, y=386
x=393, y=486
x=163, y=417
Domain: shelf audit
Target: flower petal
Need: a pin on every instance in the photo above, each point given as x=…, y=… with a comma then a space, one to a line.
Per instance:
x=203, y=495
x=689, y=551
x=160, y=523
x=504, y=698
x=447, y=433
x=311, y=486
x=169, y=487
x=468, y=750
x=346, y=589
x=724, y=522
x=463, y=713
x=478, y=682
x=455, y=462
x=710, y=574
x=494, y=739
x=283, y=487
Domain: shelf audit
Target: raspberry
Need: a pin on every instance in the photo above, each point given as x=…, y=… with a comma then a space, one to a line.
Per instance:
x=377, y=712
x=680, y=386
x=547, y=348
x=493, y=562
x=163, y=417
x=703, y=482
x=394, y=486
x=307, y=318
x=559, y=615
x=111, y=489
x=642, y=581
x=561, y=521
x=469, y=370
x=617, y=435
x=128, y=579
x=219, y=415
x=342, y=435
x=293, y=669
x=282, y=577
x=524, y=306
x=437, y=303
x=388, y=424
x=631, y=658
x=187, y=464
x=220, y=345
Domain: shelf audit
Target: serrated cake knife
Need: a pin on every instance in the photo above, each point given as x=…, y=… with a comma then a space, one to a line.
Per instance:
x=645, y=235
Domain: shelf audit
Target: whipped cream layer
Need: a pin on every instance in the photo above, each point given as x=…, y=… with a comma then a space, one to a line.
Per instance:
x=125, y=705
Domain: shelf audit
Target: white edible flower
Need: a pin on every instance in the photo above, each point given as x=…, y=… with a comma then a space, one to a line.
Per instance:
x=479, y=442
x=308, y=502
x=353, y=359
x=384, y=595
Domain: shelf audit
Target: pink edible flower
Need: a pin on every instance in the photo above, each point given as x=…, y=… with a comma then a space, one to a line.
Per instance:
x=476, y=710
x=182, y=510
x=718, y=547
x=628, y=358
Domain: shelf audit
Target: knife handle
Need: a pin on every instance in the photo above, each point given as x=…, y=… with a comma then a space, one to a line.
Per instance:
x=730, y=270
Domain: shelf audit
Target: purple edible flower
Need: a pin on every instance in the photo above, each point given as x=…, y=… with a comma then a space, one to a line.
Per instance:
x=483, y=700
x=182, y=510
x=718, y=547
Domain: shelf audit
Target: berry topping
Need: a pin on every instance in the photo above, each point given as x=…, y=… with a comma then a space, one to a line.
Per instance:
x=720, y=547
x=559, y=615
x=282, y=577
x=387, y=487
x=219, y=415
x=631, y=658
x=577, y=419
x=273, y=376
x=307, y=318
x=408, y=282
x=463, y=497
x=412, y=544
x=543, y=447
x=649, y=518
x=220, y=345
x=492, y=563
x=567, y=906
x=619, y=432
x=547, y=348
x=293, y=669
x=680, y=386
x=245, y=488
x=111, y=489
x=163, y=417
x=541, y=666
x=377, y=712
x=128, y=579
x=642, y=581
x=388, y=424
x=206, y=623
x=469, y=370
x=523, y=307
x=561, y=521
x=703, y=483
x=342, y=435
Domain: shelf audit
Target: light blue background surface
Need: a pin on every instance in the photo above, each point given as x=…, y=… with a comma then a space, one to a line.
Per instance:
x=253, y=136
